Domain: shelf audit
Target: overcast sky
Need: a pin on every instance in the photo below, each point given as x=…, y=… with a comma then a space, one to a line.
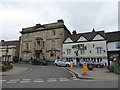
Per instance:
x=79, y=16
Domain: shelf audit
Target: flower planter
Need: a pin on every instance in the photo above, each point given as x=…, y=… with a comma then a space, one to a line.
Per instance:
x=90, y=67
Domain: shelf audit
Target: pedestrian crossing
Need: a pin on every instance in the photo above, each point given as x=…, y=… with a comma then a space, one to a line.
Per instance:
x=38, y=80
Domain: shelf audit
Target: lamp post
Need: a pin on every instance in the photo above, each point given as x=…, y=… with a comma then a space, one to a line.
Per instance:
x=6, y=53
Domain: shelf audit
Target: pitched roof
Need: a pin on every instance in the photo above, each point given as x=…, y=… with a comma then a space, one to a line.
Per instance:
x=88, y=35
x=113, y=36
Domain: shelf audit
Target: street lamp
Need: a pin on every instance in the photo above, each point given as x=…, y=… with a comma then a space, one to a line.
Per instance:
x=6, y=53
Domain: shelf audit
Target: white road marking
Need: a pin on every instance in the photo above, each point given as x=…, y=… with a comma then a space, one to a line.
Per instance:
x=88, y=80
x=11, y=82
x=76, y=79
x=24, y=81
x=27, y=79
x=3, y=80
x=51, y=80
x=15, y=80
x=38, y=80
x=63, y=79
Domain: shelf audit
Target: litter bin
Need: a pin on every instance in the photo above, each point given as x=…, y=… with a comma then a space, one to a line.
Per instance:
x=116, y=68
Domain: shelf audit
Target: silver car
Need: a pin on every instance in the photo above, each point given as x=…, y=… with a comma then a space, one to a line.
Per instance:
x=62, y=62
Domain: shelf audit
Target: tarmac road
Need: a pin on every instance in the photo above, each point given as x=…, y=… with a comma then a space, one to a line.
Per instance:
x=51, y=77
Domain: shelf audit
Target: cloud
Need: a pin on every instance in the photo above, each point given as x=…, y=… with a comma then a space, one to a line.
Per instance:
x=81, y=16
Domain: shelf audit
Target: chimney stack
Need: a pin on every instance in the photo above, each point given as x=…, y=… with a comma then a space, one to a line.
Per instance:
x=60, y=21
x=2, y=40
x=74, y=32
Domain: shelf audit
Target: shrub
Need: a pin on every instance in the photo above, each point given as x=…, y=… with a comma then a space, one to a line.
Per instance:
x=110, y=68
x=7, y=66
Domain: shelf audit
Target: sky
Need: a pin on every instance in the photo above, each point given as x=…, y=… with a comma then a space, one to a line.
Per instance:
x=81, y=16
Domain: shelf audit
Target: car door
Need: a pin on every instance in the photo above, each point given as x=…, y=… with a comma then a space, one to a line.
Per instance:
x=63, y=62
x=58, y=62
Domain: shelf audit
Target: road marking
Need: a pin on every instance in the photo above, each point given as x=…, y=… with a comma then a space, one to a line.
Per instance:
x=63, y=79
x=26, y=79
x=15, y=80
x=76, y=79
x=88, y=80
x=3, y=80
x=11, y=82
x=51, y=80
x=38, y=80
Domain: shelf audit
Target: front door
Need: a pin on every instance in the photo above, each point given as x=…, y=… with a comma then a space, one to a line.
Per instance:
x=52, y=57
x=26, y=57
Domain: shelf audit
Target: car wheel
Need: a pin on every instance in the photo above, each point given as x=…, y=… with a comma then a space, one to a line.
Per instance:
x=98, y=66
x=67, y=65
x=56, y=64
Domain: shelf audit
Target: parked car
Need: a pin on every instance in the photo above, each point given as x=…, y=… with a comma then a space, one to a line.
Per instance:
x=62, y=62
x=39, y=62
x=95, y=64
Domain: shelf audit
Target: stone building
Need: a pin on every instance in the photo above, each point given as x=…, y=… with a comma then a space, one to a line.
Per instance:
x=9, y=50
x=43, y=41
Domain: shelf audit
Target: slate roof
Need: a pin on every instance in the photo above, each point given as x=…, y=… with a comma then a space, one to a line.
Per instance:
x=113, y=36
x=88, y=35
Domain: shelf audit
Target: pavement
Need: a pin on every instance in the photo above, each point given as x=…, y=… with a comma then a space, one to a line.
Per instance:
x=95, y=74
x=15, y=70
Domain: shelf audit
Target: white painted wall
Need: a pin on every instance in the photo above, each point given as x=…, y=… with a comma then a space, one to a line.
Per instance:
x=68, y=40
x=89, y=48
x=98, y=37
x=82, y=39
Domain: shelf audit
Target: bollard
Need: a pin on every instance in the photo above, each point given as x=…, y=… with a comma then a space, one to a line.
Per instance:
x=85, y=69
x=71, y=65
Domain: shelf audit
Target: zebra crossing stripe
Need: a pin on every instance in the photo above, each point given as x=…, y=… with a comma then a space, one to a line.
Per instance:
x=24, y=81
x=27, y=79
x=51, y=80
x=15, y=80
x=38, y=80
x=3, y=80
x=11, y=82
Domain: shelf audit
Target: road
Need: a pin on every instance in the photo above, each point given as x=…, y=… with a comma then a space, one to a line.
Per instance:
x=51, y=77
